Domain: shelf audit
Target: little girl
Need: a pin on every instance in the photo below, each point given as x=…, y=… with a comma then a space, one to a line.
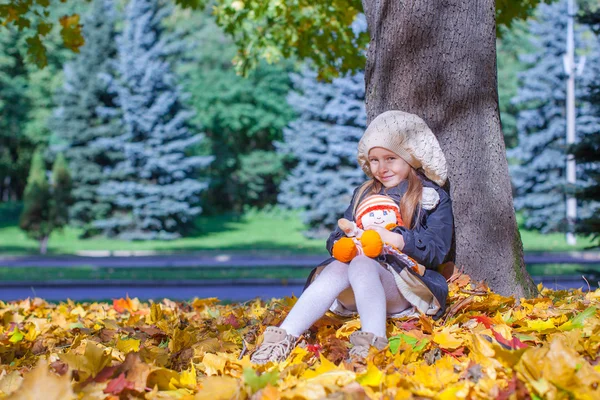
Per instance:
x=396, y=150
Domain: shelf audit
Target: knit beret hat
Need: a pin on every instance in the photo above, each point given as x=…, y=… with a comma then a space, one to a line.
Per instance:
x=408, y=136
x=377, y=202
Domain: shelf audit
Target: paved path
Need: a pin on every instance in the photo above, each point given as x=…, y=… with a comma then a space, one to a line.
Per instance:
x=239, y=260
x=241, y=291
x=234, y=290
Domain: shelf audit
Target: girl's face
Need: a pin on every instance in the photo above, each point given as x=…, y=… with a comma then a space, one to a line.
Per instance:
x=387, y=167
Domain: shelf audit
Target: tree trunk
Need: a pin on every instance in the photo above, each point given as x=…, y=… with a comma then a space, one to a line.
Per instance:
x=44, y=245
x=437, y=59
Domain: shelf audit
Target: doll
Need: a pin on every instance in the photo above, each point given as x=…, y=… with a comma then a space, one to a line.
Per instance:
x=374, y=210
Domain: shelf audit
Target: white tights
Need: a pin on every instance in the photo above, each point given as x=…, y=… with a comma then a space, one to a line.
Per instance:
x=363, y=285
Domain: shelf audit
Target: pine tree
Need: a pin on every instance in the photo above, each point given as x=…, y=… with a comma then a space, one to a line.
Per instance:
x=539, y=177
x=87, y=113
x=61, y=192
x=241, y=116
x=321, y=144
x=514, y=41
x=154, y=189
x=587, y=152
x=36, y=215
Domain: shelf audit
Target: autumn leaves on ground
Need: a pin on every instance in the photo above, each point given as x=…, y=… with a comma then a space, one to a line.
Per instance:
x=485, y=347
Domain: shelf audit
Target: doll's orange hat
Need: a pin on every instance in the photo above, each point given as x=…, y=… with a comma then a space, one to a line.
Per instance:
x=376, y=202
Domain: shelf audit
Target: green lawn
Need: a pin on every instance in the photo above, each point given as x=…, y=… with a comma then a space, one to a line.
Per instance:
x=272, y=231
x=189, y=274
x=146, y=274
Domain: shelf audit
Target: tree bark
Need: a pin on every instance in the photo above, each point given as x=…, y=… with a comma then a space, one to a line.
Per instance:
x=44, y=245
x=437, y=59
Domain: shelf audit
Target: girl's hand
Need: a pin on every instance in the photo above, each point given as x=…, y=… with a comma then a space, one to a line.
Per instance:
x=395, y=239
x=377, y=228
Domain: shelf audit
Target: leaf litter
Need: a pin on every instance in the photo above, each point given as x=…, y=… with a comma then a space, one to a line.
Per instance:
x=485, y=347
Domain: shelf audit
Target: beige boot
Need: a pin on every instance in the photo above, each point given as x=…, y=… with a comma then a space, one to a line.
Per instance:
x=276, y=346
x=362, y=342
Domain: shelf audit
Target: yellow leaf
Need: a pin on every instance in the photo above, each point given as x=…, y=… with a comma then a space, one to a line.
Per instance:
x=436, y=376
x=447, y=340
x=187, y=378
x=213, y=364
x=541, y=325
x=295, y=357
x=457, y=391
x=78, y=311
x=9, y=382
x=305, y=390
x=324, y=366
x=219, y=388
x=161, y=378
x=127, y=345
x=371, y=377
x=92, y=361
x=40, y=383
x=348, y=328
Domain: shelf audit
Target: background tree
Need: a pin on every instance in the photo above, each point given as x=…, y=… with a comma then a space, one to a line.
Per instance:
x=539, y=177
x=45, y=205
x=321, y=146
x=322, y=33
x=510, y=45
x=241, y=117
x=25, y=102
x=61, y=193
x=16, y=148
x=587, y=152
x=444, y=70
x=86, y=112
x=36, y=214
x=154, y=189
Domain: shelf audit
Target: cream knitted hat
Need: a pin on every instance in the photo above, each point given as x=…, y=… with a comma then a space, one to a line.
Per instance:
x=408, y=136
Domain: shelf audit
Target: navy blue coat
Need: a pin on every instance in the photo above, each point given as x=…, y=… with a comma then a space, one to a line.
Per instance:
x=428, y=243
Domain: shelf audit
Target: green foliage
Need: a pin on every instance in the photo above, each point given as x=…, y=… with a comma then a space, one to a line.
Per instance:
x=15, y=148
x=510, y=45
x=62, y=185
x=25, y=104
x=37, y=20
x=508, y=11
x=260, y=172
x=241, y=117
x=261, y=29
x=35, y=218
x=45, y=206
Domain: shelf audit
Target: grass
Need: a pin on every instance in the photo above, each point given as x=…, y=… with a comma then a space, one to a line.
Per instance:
x=275, y=231
x=57, y=274
x=84, y=273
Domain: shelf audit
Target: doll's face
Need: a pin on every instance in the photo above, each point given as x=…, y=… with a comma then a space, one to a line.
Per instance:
x=379, y=217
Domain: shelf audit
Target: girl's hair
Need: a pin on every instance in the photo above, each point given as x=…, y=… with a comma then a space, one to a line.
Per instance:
x=410, y=202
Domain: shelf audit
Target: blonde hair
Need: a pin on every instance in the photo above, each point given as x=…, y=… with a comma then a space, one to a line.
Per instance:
x=410, y=202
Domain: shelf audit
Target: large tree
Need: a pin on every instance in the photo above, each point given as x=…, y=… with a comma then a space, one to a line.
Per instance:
x=154, y=190
x=539, y=174
x=87, y=112
x=438, y=60
x=587, y=151
x=241, y=116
